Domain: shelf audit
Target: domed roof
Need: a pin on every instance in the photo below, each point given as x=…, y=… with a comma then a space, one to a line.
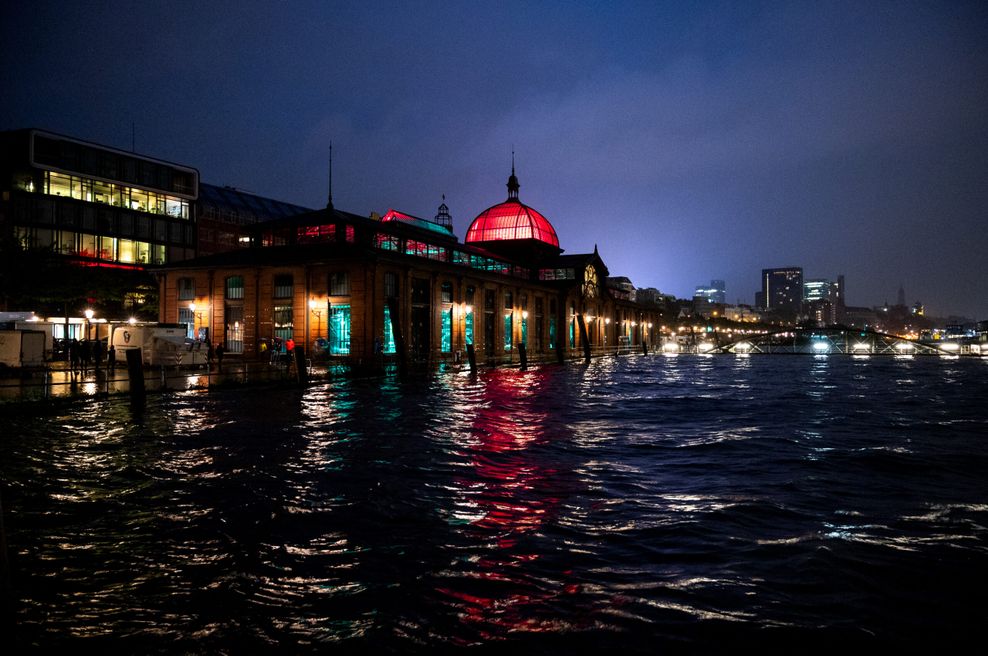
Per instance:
x=511, y=220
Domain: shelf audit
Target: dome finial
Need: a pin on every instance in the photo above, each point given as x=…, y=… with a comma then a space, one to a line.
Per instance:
x=513, y=180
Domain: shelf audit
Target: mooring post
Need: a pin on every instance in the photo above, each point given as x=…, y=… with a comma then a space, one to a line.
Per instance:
x=644, y=347
x=472, y=358
x=301, y=371
x=584, y=337
x=135, y=374
x=523, y=355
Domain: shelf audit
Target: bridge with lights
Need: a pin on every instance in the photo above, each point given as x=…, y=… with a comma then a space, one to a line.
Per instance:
x=821, y=341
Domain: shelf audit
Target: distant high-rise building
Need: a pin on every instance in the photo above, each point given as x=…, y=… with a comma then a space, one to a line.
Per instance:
x=715, y=293
x=817, y=289
x=819, y=300
x=782, y=289
x=840, y=300
x=901, y=299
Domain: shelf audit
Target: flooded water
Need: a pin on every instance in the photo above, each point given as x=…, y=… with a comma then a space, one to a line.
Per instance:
x=640, y=504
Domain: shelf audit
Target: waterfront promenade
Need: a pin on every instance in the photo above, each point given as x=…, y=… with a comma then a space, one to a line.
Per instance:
x=60, y=381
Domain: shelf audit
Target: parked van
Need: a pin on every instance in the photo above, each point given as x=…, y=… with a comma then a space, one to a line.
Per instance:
x=22, y=348
x=160, y=344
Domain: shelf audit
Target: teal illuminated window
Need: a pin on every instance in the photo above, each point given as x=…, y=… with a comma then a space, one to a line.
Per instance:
x=468, y=328
x=572, y=333
x=339, y=330
x=446, y=344
x=524, y=331
x=552, y=332
x=507, y=331
x=389, y=336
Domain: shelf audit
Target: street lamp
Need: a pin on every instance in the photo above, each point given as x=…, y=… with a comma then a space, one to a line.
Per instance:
x=197, y=312
x=314, y=307
x=89, y=320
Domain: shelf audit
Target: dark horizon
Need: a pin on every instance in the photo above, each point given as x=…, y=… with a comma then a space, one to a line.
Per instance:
x=686, y=143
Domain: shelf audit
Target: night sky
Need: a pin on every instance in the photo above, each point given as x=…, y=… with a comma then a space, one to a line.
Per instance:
x=689, y=142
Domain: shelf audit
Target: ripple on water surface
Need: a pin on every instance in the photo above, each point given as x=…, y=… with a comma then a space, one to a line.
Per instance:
x=627, y=503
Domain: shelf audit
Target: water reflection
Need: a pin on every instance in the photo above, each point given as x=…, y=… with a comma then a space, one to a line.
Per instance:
x=623, y=503
x=508, y=498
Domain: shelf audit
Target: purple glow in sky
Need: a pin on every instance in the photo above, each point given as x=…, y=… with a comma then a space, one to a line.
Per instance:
x=689, y=142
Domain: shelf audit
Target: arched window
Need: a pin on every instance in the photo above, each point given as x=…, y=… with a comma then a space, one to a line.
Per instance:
x=283, y=286
x=339, y=283
x=235, y=287
x=186, y=289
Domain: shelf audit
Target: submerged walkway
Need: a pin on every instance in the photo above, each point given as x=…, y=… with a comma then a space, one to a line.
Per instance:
x=59, y=381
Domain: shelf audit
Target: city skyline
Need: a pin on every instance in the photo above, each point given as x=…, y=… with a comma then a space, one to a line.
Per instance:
x=711, y=142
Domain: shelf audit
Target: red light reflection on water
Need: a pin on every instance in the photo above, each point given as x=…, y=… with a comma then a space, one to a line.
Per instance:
x=513, y=496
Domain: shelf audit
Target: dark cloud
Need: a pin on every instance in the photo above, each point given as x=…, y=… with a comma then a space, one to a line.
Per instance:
x=689, y=143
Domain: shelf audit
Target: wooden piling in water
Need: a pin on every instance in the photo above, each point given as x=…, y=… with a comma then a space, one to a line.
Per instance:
x=523, y=355
x=472, y=358
x=301, y=371
x=135, y=374
x=584, y=337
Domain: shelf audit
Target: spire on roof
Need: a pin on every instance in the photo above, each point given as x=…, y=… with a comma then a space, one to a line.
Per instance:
x=329, y=203
x=443, y=217
x=513, y=180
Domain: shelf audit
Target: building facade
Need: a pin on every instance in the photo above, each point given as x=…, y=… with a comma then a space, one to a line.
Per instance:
x=823, y=300
x=782, y=289
x=716, y=292
x=224, y=215
x=97, y=205
x=361, y=289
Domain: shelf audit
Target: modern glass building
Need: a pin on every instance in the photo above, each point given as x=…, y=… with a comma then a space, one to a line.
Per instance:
x=716, y=292
x=98, y=205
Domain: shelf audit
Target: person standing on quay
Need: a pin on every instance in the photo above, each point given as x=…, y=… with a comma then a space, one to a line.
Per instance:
x=111, y=358
x=74, y=354
x=219, y=355
x=86, y=348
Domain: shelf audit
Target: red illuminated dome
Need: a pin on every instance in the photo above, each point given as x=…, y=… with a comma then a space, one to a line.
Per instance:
x=511, y=221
